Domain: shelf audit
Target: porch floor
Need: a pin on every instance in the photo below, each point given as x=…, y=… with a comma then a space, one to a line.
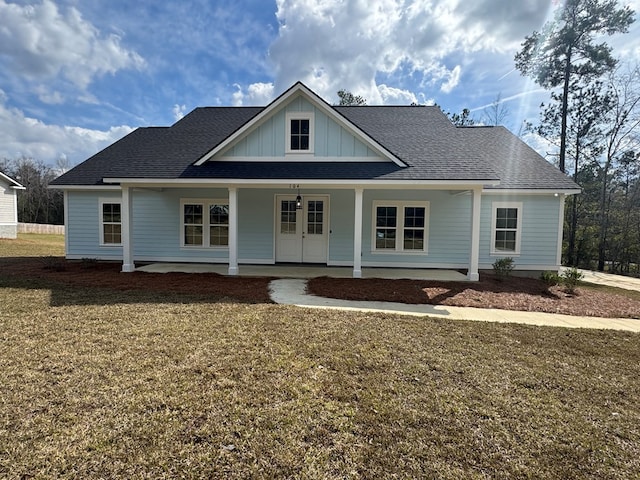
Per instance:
x=305, y=271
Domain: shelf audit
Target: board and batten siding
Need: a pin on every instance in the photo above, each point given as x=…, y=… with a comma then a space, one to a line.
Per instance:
x=330, y=139
x=539, y=232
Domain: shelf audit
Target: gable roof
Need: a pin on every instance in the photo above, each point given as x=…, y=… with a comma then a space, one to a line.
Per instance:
x=299, y=89
x=428, y=146
x=12, y=183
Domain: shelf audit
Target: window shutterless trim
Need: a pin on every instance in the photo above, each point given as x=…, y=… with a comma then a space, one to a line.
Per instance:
x=102, y=223
x=206, y=224
x=299, y=116
x=400, y=227
x=518, y=229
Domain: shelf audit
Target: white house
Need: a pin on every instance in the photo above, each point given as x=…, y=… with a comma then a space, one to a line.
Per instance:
x=8, y=206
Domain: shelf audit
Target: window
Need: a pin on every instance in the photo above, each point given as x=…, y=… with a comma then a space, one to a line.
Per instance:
x=315, y=214
x=219, y=225
x=110, y=223
x=299, y=135
x=299, y=132
x=400, y=226
x=205, y=223
x=288, y=217
x=193, y=224
x=505, y=225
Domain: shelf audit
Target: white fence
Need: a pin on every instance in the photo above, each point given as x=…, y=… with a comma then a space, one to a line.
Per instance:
x=40, y=228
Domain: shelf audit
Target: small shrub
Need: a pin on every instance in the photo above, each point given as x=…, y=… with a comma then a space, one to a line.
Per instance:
x=89, y=262
x=570, y=279
x=550, y=279
x=56, y=264
x=503, y=267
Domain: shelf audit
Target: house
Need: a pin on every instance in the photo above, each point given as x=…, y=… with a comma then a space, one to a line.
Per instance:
x=301, y=181
x=9, y=206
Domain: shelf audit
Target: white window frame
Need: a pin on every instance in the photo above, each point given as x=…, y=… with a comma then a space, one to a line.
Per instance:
x=400, y=227
x=299, y=116
x=494, y=214
x=206, y=224
x=107, y=201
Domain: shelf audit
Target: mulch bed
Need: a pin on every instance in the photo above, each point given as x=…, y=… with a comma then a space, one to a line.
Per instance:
x=108, y=275
x=514, y=293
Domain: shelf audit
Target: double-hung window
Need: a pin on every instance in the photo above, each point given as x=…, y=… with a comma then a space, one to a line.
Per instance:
x=205, y=223
x=110, y=223
x=506, y=224
x=299, y=132
x=400, y=226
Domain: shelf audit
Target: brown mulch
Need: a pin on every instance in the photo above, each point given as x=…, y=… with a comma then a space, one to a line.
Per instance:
x=515, y=293
x=108, y=275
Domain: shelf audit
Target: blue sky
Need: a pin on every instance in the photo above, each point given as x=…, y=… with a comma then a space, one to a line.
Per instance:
x=77, y=75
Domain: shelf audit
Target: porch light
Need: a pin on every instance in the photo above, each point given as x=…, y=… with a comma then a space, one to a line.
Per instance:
x=298, y=202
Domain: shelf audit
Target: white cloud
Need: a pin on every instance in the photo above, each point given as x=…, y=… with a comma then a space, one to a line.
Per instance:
x=396, y=96
x=257, y=94
x=25, y=136
x=40, y=42
x=454, y=79
x=352, y=44
x=178, y=111
x=49, y=97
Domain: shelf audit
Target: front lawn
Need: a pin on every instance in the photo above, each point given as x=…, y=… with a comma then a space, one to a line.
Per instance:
x=112, y=383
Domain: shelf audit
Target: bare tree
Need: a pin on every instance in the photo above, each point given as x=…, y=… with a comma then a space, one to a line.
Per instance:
x=496, y=113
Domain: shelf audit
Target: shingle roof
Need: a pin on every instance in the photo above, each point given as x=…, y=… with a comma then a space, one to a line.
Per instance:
x=10, y=181
x=422, y=137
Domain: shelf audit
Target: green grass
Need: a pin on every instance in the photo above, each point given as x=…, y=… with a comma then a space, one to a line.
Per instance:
x=96, y=383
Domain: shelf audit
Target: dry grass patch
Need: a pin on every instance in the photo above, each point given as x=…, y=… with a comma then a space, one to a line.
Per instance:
x=32, y=245
x=128, y=385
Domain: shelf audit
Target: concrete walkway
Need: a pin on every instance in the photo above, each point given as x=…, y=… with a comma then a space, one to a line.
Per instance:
x=601, y=278
x=292, y=291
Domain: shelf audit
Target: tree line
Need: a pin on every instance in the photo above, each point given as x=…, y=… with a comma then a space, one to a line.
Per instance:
x=37, y=203
x=593, y=117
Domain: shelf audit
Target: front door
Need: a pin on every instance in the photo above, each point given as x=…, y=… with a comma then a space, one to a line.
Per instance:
x=301, y=233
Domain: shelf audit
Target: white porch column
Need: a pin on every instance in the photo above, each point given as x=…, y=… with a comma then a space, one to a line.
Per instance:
x=127, y=230
x=357, y=235
x=233, y=231
x=474, y=254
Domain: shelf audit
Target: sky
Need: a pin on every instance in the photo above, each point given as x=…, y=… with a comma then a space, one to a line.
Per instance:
x=77, y=75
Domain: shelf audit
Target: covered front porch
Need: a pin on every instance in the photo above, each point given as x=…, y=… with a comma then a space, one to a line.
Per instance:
x=306, y=271
x=330, y=224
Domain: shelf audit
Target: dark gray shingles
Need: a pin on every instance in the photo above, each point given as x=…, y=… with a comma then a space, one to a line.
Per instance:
x=422, y=137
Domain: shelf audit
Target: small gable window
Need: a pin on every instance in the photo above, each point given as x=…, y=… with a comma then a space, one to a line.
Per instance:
x=300, y=132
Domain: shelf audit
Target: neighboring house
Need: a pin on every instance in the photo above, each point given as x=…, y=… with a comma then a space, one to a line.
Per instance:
x=301, y=181
x=9, y=206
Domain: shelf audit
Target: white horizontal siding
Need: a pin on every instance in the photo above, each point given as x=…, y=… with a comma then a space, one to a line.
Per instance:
x=7, y=204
